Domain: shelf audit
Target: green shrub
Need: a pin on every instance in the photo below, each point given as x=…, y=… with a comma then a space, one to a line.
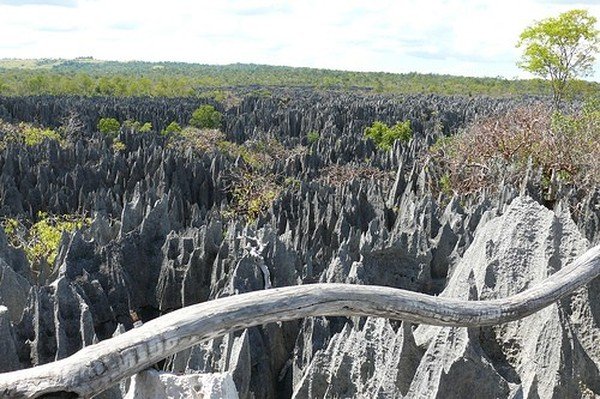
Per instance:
x=384, y=136
x=41, y=240
x=34, y=135
x=118, y=146
x=131, y=124
x=26, y=133
x=312, y=137
x=145, y=128
x=173, y=127
x=259, y=154
x=252, y=158
x=251, y=194
x=109, y=126
x=137, y=126
x=200, y=140
x=206, y=117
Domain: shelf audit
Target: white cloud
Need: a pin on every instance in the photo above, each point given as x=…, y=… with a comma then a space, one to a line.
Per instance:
x=60, y=3
x=467, y=37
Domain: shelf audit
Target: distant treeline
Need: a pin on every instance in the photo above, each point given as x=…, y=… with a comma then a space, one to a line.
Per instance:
x=88, y=77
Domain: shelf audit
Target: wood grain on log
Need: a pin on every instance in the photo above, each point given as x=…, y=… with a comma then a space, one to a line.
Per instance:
x=98, y=367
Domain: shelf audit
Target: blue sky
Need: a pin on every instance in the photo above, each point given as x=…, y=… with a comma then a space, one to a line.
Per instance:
x=460, y=37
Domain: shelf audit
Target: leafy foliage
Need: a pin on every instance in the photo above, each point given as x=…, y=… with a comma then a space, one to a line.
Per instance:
x=41, y=240
x=252, y=193
x=118, y=146
x=200, y=140
x=312, y=137
x=561, y=49
x=35, y=135
x=384, y=136
x=109, y=126
x=172, y=128
x=206, y=117
x=136, y=126
x=27, y=134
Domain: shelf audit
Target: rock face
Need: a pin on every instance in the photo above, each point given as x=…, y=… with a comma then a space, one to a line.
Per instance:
x=159, y=241
x=152, y=384
x=546, y=355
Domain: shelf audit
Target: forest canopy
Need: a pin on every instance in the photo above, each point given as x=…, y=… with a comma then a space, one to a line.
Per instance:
x=89, y=77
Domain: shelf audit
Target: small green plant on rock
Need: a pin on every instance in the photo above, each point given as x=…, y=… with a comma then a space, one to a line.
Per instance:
x=118, y=146
x=41, y=240
x=251, y=194
x=171, y=128
x=137, y=127
x=27, y=134
x=146, y=128
x=384, y=136
x=200, y=140
x=312, y=137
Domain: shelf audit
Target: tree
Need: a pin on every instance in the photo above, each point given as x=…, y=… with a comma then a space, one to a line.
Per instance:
x=206, y=117
x=561, y=49
x=109, y=126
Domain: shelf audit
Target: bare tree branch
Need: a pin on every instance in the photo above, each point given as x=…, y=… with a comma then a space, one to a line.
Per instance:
x=98, y=367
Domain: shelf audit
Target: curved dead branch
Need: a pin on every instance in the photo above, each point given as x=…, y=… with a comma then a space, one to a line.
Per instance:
x=97, y=367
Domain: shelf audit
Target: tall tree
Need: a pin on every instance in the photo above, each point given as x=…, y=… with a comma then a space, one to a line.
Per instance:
x=561, y=49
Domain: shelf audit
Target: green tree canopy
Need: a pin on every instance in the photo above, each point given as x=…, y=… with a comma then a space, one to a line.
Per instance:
x=384, y=136
x=206, y=117
x=109, y=126
x=560, y=49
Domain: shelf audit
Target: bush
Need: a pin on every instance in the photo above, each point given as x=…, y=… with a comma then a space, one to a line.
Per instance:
x=172, y=128
x=25, y=133
x=200, y=140
x=109, y=126
x=137, y=126
x=145, y=128
x=206, y=117
x=118, y=146
x=312, y=137
x=251, y=194
x=384, y=136
x=34, y=135
x=495, y=149
x=41, y=240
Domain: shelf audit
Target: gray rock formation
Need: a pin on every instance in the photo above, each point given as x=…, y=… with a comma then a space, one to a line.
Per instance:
x=151, y=384
x=159, y=242
x=10, y=360
x=546, y=355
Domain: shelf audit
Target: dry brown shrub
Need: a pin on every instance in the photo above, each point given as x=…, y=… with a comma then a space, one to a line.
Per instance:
x=201, y=140
x=500, y=148
x=337, y=175
x=252, y=193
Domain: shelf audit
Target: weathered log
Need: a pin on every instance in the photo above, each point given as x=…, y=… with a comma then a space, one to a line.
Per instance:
x=97, y=367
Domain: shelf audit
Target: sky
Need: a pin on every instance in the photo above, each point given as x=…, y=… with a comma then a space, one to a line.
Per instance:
x=458, y=37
